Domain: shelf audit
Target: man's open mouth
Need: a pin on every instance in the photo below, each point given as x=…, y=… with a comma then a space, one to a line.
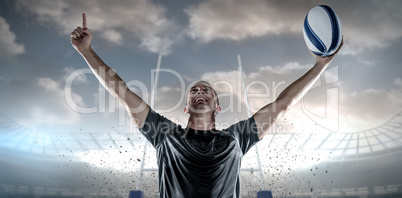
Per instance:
x=200, y=99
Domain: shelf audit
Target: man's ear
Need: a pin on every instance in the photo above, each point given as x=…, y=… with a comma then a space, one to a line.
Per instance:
x=185, y=110
x=218, y=109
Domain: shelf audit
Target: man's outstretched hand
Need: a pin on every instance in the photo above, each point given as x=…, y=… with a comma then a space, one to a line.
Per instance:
x=81, y=37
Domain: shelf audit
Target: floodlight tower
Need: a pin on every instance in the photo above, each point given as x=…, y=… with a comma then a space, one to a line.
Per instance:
x=240, y=70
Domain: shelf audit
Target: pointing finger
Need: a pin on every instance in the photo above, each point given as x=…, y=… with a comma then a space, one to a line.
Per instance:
x=84, y=21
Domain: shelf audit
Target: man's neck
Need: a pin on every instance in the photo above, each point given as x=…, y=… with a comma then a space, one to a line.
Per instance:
x=201, y=122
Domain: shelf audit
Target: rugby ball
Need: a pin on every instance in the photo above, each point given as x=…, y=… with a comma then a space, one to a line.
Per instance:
x=322, y=30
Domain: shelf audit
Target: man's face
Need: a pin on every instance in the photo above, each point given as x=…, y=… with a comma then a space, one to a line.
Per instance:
x=201, y=98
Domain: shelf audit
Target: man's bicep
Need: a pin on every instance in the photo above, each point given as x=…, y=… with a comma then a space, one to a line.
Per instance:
x=266, y=117
x=136, y=108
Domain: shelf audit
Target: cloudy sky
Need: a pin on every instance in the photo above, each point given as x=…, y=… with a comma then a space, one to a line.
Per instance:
x=46, y=86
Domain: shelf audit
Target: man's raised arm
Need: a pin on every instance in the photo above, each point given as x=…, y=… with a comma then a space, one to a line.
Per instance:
x=134, y=105
x=269, y=114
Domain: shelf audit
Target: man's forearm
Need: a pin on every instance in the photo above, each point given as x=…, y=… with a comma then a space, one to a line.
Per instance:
x=271, y=112
x=295, y=91
x=134, y=105
x=106, y=75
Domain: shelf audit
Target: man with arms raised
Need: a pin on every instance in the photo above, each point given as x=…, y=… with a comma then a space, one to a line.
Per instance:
x=199, y=160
